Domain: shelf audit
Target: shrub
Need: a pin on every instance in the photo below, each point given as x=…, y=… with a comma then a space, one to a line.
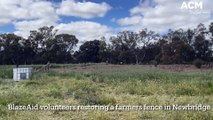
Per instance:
x=6, y=73
x=198, y=63
x=154, y=62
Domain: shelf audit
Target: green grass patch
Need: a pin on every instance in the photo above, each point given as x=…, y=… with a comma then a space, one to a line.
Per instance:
x=130, y=85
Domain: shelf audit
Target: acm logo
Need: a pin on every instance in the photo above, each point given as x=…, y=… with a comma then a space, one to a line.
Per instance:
x=192, y=5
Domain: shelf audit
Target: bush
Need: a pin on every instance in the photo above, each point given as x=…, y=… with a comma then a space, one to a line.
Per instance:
x=6, y=73
x=198, y=63
x=154, y=62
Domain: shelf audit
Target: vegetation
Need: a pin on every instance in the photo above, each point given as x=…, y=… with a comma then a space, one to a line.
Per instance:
x=174, y=47
x=106, y=84
x=198, y=63
x=100, y=84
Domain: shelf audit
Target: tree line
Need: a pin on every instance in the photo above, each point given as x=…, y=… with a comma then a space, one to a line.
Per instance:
x=127, y=47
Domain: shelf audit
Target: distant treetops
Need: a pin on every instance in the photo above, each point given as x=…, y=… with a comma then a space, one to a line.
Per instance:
x=143, y=47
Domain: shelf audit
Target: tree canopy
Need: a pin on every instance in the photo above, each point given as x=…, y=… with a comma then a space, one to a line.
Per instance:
x=127, y=47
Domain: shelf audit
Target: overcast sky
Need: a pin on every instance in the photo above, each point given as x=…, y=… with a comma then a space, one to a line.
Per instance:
x=92, y=19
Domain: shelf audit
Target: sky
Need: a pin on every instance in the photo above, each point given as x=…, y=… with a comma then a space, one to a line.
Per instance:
x=93, y=19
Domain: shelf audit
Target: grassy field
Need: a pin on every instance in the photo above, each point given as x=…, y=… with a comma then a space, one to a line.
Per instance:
x=99, y=84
